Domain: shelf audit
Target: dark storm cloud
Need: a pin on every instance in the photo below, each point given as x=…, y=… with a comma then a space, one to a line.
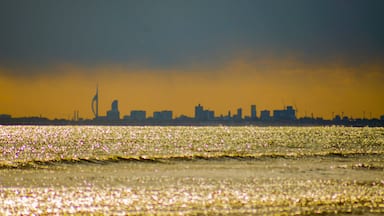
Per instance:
x=173, y=33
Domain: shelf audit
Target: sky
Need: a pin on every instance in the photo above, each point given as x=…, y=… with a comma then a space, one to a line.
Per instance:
x=323, y=57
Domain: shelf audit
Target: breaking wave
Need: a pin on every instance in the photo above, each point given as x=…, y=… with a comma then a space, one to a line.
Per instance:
x=45, y=146
x=41, y=164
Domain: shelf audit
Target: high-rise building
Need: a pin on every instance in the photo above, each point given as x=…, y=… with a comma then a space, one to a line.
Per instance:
x=138, y=115
x=253, y=112
x=265, y=115
x=199, y=112
x=288, y=114
x=203, y=115
x=209, y=115
x=114, y=113
x=239, y=115
x=114, y=105
x=165, y=115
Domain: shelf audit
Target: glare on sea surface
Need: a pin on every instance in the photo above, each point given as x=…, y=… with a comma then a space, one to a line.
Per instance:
x=191, y=170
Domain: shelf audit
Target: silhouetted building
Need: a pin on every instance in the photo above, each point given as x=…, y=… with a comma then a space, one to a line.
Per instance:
x=114, y=113
x=382, y=117
x=288, y=114
x=239, y=115
x=265, y=115
x=5, y=116
x=183, y=118
x=210, y=114
x=203, y=115
x=253, y=112
x=165, y=115
x=114, y=105
x=95, y=103
x=199, y=112
x=337, y=118
x=138, y=115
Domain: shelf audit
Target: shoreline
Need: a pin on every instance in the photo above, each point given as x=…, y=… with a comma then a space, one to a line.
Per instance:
x=296, y=123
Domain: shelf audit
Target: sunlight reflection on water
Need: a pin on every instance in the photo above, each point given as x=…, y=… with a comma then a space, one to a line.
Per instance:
x=191, y=170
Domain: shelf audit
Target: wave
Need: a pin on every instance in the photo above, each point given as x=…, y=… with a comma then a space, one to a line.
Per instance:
x=41, y=164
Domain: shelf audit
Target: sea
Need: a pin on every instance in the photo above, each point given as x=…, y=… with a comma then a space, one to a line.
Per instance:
x=187, y=170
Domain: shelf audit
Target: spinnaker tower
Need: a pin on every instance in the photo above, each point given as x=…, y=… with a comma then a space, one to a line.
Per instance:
x=95, y=103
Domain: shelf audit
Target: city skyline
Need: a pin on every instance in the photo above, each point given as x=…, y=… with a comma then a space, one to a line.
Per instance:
x=201, y=116
x=288, y=113
x=323, y=57
x=105, y=106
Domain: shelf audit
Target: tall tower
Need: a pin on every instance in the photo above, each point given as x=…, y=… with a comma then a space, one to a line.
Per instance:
x=95, y=103
x=199, y=110
x=239, y=114
x=253, y=112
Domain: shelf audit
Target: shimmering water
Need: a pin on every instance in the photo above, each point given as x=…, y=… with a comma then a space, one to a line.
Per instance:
x=191, y=170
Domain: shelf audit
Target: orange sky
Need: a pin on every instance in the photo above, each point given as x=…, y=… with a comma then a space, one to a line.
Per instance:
x=268, y=83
